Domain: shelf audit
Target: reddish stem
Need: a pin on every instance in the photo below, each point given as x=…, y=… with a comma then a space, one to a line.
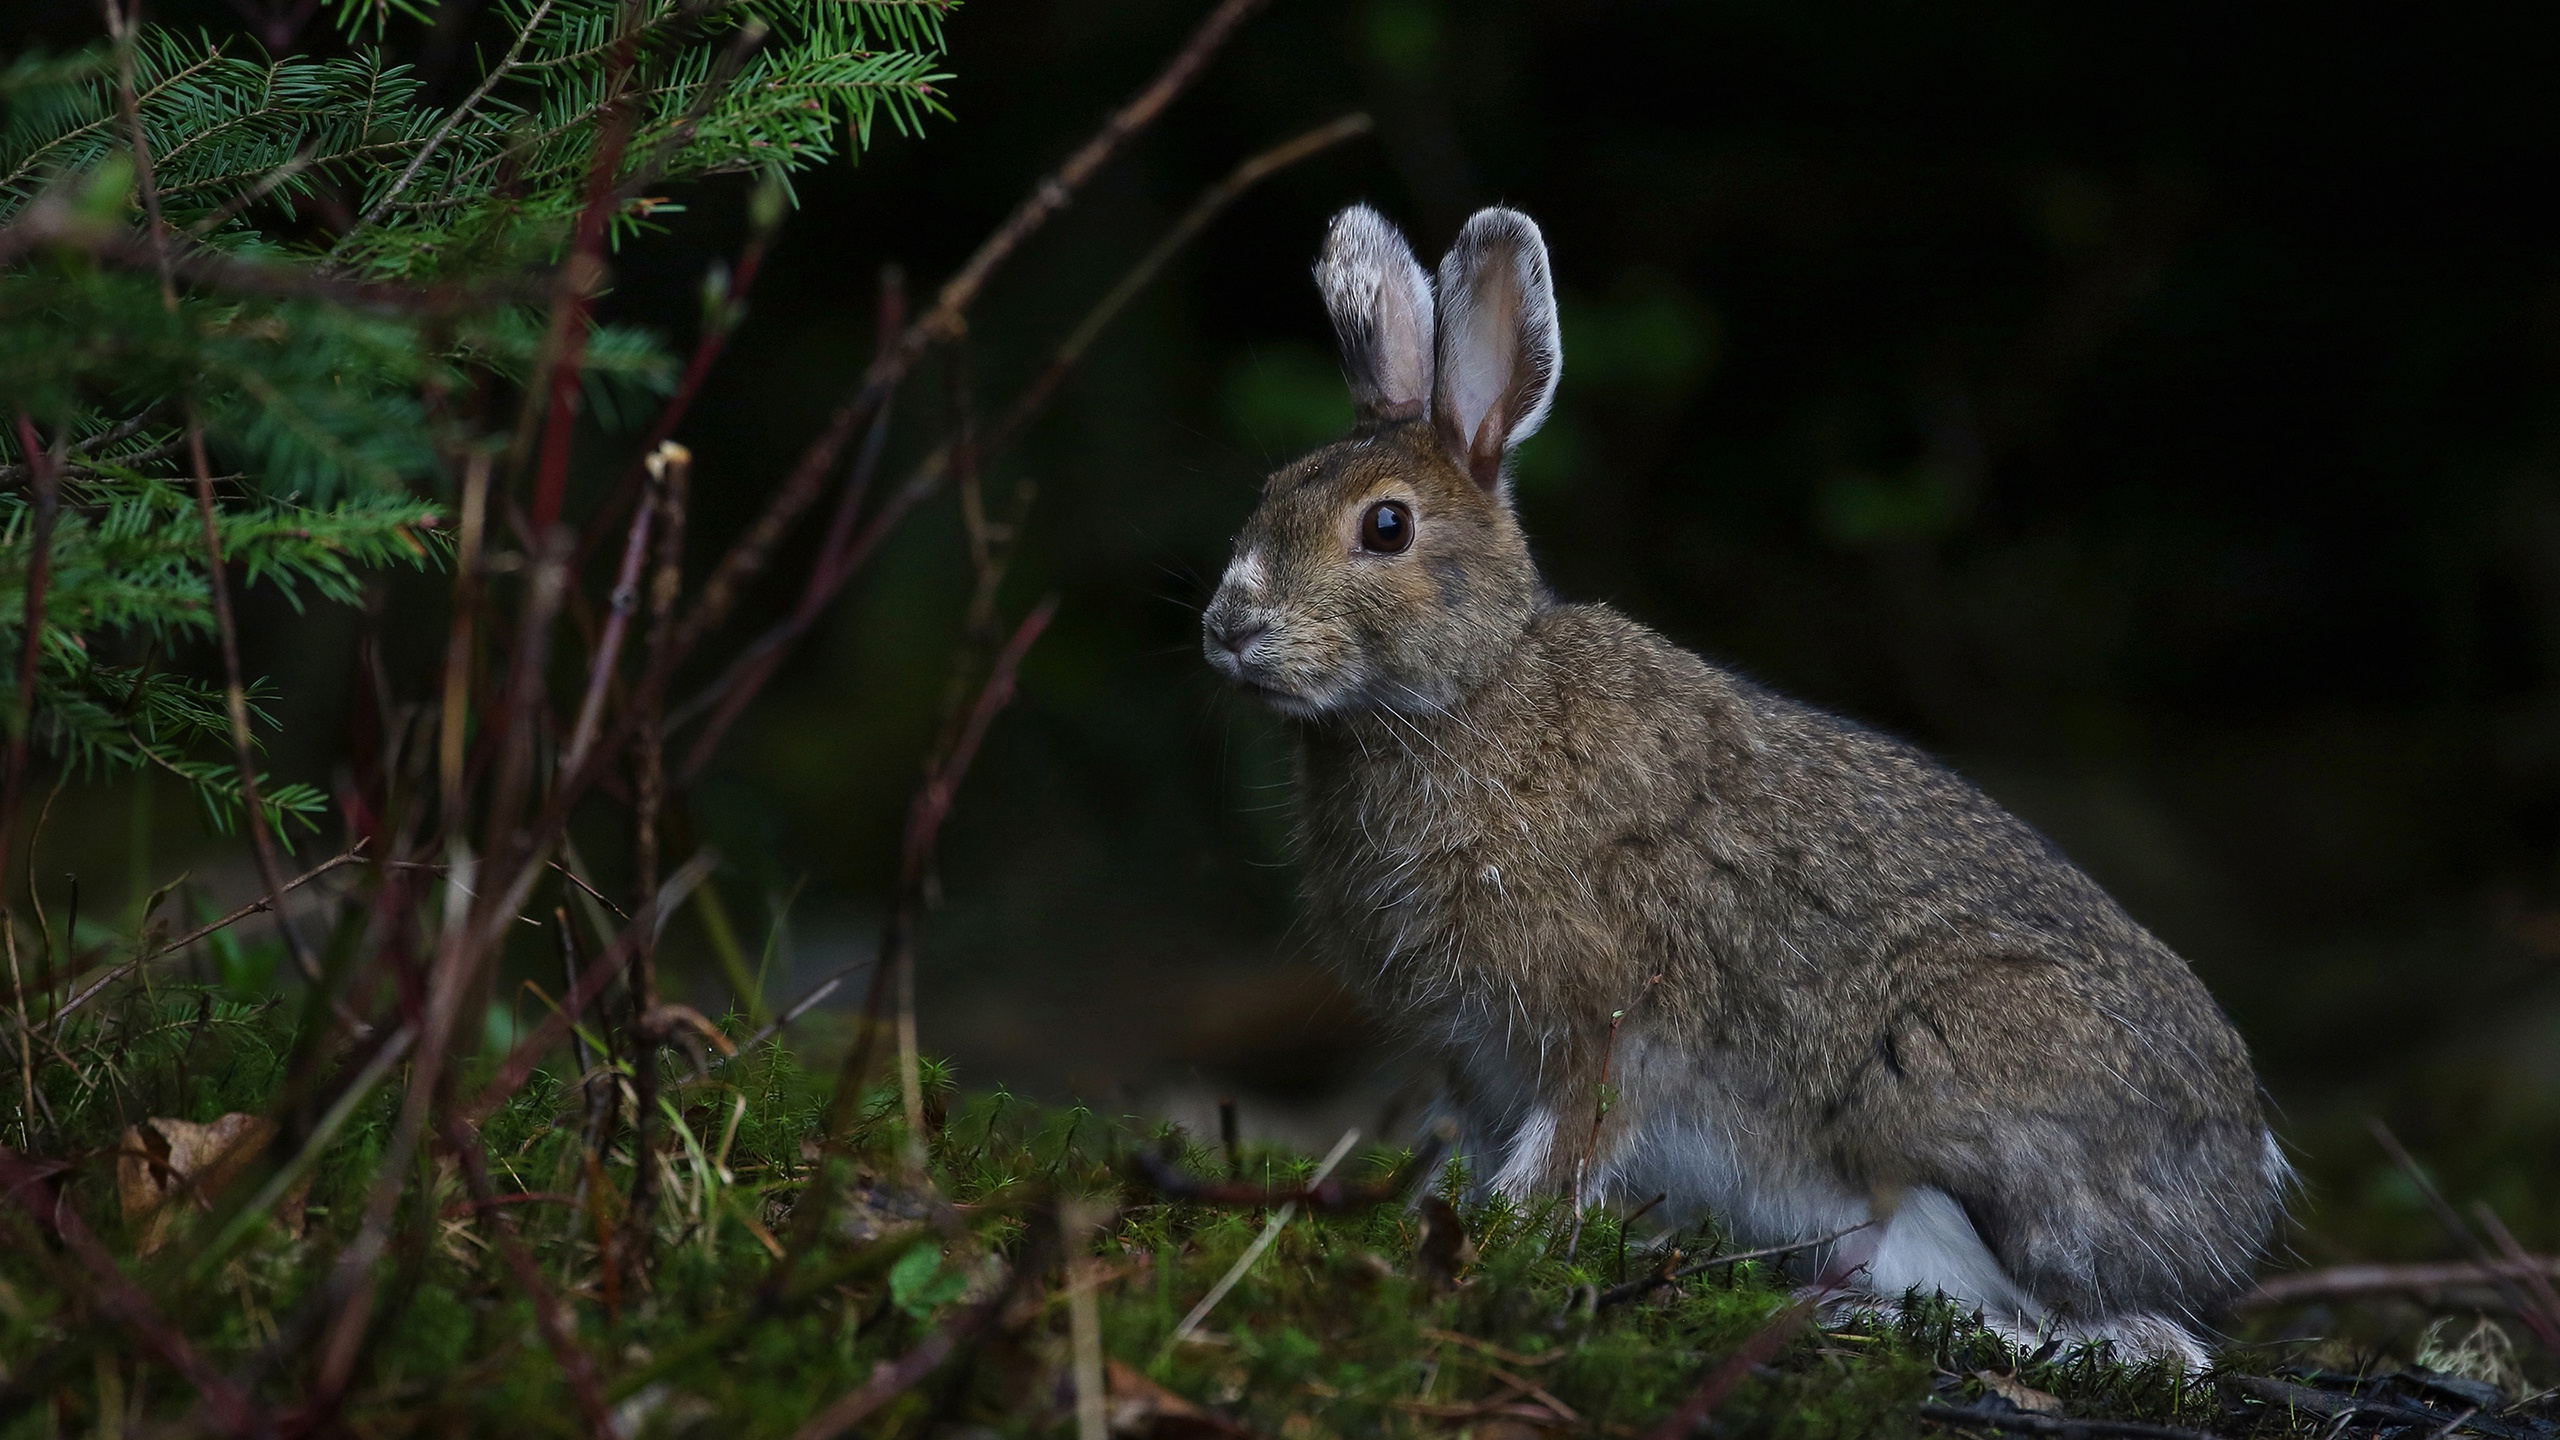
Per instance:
x=943, y=321
x=706, y=350
x=569, y=313
x=625, y=600
x=589, y=983
x=559, y=1331
x=47, y=483
x=827, y=573
x=933, y=802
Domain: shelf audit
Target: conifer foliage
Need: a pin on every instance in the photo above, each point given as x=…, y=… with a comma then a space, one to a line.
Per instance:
x=327, y=275
x=279, y=317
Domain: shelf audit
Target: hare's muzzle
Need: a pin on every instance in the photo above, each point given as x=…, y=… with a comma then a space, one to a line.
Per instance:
x=1229, y=632
x=1236, y=636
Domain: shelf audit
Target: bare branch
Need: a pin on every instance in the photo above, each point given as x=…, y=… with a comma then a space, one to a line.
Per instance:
x=748, y=556
x=846, y=549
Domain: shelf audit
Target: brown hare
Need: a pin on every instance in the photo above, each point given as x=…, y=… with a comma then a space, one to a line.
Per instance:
x=1852, y=987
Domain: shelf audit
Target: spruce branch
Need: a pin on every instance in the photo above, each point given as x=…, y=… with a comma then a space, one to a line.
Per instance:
x=453, y=118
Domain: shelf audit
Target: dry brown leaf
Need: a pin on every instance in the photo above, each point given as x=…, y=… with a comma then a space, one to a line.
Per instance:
x=1441, y=1250
x=164, y=1161
x=2017, y=1392
x=1141, y=1407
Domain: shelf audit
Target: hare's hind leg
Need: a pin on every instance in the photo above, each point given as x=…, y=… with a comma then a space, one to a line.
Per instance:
x=1929, y=1245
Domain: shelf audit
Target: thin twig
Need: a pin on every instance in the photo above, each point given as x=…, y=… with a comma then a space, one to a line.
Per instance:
x=2287, y=1398
x=724, y=73
x=1324, y=1195
x=50, y=222
x=47, y=483
x=2545, y=1328
x=584, y=988
x=2545, y=1318
x=1599, y=1115
x=26, y=1032
x=70, y=468
x=670, y=473
x=720, y=321
x=452, y=729
x=301, y=161
x=894, y=1378
x=117, y=433
x=574, y=878
x=125, y=27
x=466, y=936
x=925, y=815
x=728, y=697
x=566, y=345
x=254, y=907
x=624, y=600
x=559, y=1331
x=1077, y=1220
x=1634, y=1289
x=235, y=694
x=528, y=664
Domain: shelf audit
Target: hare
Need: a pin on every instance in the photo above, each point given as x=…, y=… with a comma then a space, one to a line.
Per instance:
x=1828, y=982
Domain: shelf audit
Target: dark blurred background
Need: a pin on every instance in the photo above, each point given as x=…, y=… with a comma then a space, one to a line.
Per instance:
x=2148, y=408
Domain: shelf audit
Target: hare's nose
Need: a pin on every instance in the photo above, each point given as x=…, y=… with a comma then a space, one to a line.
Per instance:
x=1238, y=635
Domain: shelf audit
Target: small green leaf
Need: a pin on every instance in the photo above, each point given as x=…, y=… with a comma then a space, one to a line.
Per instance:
x=918, y=1284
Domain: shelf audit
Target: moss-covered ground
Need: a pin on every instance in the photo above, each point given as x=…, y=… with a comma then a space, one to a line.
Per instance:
x=956, y=1294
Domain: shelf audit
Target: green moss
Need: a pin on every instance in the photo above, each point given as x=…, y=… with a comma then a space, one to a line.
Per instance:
x=1333, y=1332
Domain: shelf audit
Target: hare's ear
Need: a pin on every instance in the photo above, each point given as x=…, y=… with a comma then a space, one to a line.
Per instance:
x=1381, y=305
x=1499, y=354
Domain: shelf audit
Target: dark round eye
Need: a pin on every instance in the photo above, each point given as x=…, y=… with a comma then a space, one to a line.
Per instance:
x=1387, y=529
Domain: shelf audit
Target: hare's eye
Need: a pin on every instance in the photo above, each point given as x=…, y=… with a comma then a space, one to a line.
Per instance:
x=1387, y=529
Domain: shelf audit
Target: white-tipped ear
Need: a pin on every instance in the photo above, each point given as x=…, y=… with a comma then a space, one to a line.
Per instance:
x=1380, y=300
x=1499, y=353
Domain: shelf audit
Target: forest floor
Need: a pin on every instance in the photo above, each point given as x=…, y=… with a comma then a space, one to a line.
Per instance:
x=1193, y=1287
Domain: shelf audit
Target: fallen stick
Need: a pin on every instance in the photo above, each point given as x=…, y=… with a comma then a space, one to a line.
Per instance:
x=2339, y=1282
x=2023, y=1422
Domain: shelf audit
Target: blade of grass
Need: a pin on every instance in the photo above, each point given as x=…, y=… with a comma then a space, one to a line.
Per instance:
x=1271, y=1229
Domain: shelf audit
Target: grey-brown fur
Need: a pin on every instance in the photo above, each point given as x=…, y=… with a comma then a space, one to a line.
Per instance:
x=1852, y=985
